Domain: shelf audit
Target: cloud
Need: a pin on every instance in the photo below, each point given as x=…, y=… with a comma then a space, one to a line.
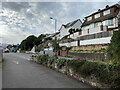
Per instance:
x=26, y=18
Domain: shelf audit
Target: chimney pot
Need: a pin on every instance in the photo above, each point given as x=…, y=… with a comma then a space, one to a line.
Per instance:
x=107, y=6
x=98, y=9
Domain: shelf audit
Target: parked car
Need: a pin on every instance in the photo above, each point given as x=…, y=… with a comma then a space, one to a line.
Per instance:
x=6, y=50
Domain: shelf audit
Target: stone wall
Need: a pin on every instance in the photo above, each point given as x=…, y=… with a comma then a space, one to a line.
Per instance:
x=87, y=56
x=90, y=47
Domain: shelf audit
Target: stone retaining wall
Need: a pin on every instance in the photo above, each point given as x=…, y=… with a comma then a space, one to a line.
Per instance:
x=90, y=47
x=88, y=56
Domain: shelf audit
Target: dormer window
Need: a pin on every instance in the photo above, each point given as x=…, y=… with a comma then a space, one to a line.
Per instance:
x=97, y=15
x=89, y=18
x=106, y=12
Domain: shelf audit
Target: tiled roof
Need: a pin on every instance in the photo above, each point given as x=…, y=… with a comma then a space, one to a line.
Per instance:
x=100, y=19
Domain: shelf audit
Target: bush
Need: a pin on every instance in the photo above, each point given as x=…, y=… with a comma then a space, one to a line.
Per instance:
x=61, y=63
x=52, y=59
x=114, y=48
x=42, y=59
x=104, y=73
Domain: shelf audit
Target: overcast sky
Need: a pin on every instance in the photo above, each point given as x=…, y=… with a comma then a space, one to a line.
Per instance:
x=21, y=19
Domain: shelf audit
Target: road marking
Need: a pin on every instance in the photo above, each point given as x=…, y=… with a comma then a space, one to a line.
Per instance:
x=16, y=62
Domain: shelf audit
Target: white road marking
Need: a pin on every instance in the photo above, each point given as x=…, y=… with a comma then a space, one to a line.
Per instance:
x=16, y=62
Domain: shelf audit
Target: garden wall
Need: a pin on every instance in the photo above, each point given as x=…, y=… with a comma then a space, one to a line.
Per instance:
x=87, y=56
x=90, y=47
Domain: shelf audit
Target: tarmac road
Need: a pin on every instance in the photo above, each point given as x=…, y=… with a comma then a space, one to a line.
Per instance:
x=19, y=72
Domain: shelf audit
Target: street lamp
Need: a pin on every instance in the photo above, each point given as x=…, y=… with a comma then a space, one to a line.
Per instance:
x=55, y=31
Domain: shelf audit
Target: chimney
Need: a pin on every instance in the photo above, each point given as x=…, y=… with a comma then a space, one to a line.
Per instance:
x=107, y=6
x=99, y=10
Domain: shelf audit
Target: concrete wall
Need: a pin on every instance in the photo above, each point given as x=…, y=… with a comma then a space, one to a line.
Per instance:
x=74, y=43
x=88, y=56
x=96, y=41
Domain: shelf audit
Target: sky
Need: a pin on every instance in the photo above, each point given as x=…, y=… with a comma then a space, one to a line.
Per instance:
x=21, y=19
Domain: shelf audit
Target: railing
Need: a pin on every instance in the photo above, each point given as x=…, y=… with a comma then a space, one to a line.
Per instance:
x=97, y=35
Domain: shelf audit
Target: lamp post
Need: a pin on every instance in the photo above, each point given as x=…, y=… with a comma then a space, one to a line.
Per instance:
x=55, y=31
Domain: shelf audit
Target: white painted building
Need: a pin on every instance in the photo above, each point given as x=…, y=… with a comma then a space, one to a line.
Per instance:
x=64, y=30
x=101, y=21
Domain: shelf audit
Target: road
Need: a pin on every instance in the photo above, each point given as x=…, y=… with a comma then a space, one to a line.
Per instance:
x=19, y=72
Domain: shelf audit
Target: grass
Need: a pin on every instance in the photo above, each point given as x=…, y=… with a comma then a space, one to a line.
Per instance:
x=2, y=61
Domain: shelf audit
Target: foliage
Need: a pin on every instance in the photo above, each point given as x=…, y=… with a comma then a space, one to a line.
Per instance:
x=71, y=31
x=107, y=73
x=52, y=59
x=28, y=43
x=61, y=63
x=39, y=48
x=55, y=45
x=110, y=77
x=2, y=61
x=42, y=59
x=114, y=48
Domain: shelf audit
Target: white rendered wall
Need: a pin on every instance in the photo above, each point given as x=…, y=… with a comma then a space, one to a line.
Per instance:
x=65, y=31
x=69, y=44
x=96, y=41
x=94, y=30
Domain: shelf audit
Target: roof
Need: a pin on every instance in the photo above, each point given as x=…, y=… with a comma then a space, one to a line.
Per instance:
x=70, y=24
x=115, y=5
x=100, y=19
x=52, y=35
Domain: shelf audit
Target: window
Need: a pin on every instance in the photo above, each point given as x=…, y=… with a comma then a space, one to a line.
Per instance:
x=96, y=24
x=89, y=18
x=110, y=22
x=106, y=12
x=97, y=15
x=105, y=23
x=91, y=25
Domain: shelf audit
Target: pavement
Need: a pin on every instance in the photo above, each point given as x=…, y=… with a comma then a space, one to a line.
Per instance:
x=19, y=72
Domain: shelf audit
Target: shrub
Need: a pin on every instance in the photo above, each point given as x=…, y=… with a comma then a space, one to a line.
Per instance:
x=42, y=59
x=52, y=59
x=114, y=48
x=61, y=63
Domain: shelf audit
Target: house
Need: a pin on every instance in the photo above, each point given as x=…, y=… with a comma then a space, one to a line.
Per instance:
x=98, y=27
x=64, y=30
x=65, y=33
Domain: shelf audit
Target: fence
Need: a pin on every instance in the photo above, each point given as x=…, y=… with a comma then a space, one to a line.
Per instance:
x=97, y=35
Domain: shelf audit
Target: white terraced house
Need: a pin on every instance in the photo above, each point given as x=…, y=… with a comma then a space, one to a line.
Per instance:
x=99, y=26
x=64, y=32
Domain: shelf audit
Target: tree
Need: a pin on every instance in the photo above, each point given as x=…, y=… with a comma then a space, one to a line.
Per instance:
x=114, y=48
x=55, y=45
x=28, y=43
